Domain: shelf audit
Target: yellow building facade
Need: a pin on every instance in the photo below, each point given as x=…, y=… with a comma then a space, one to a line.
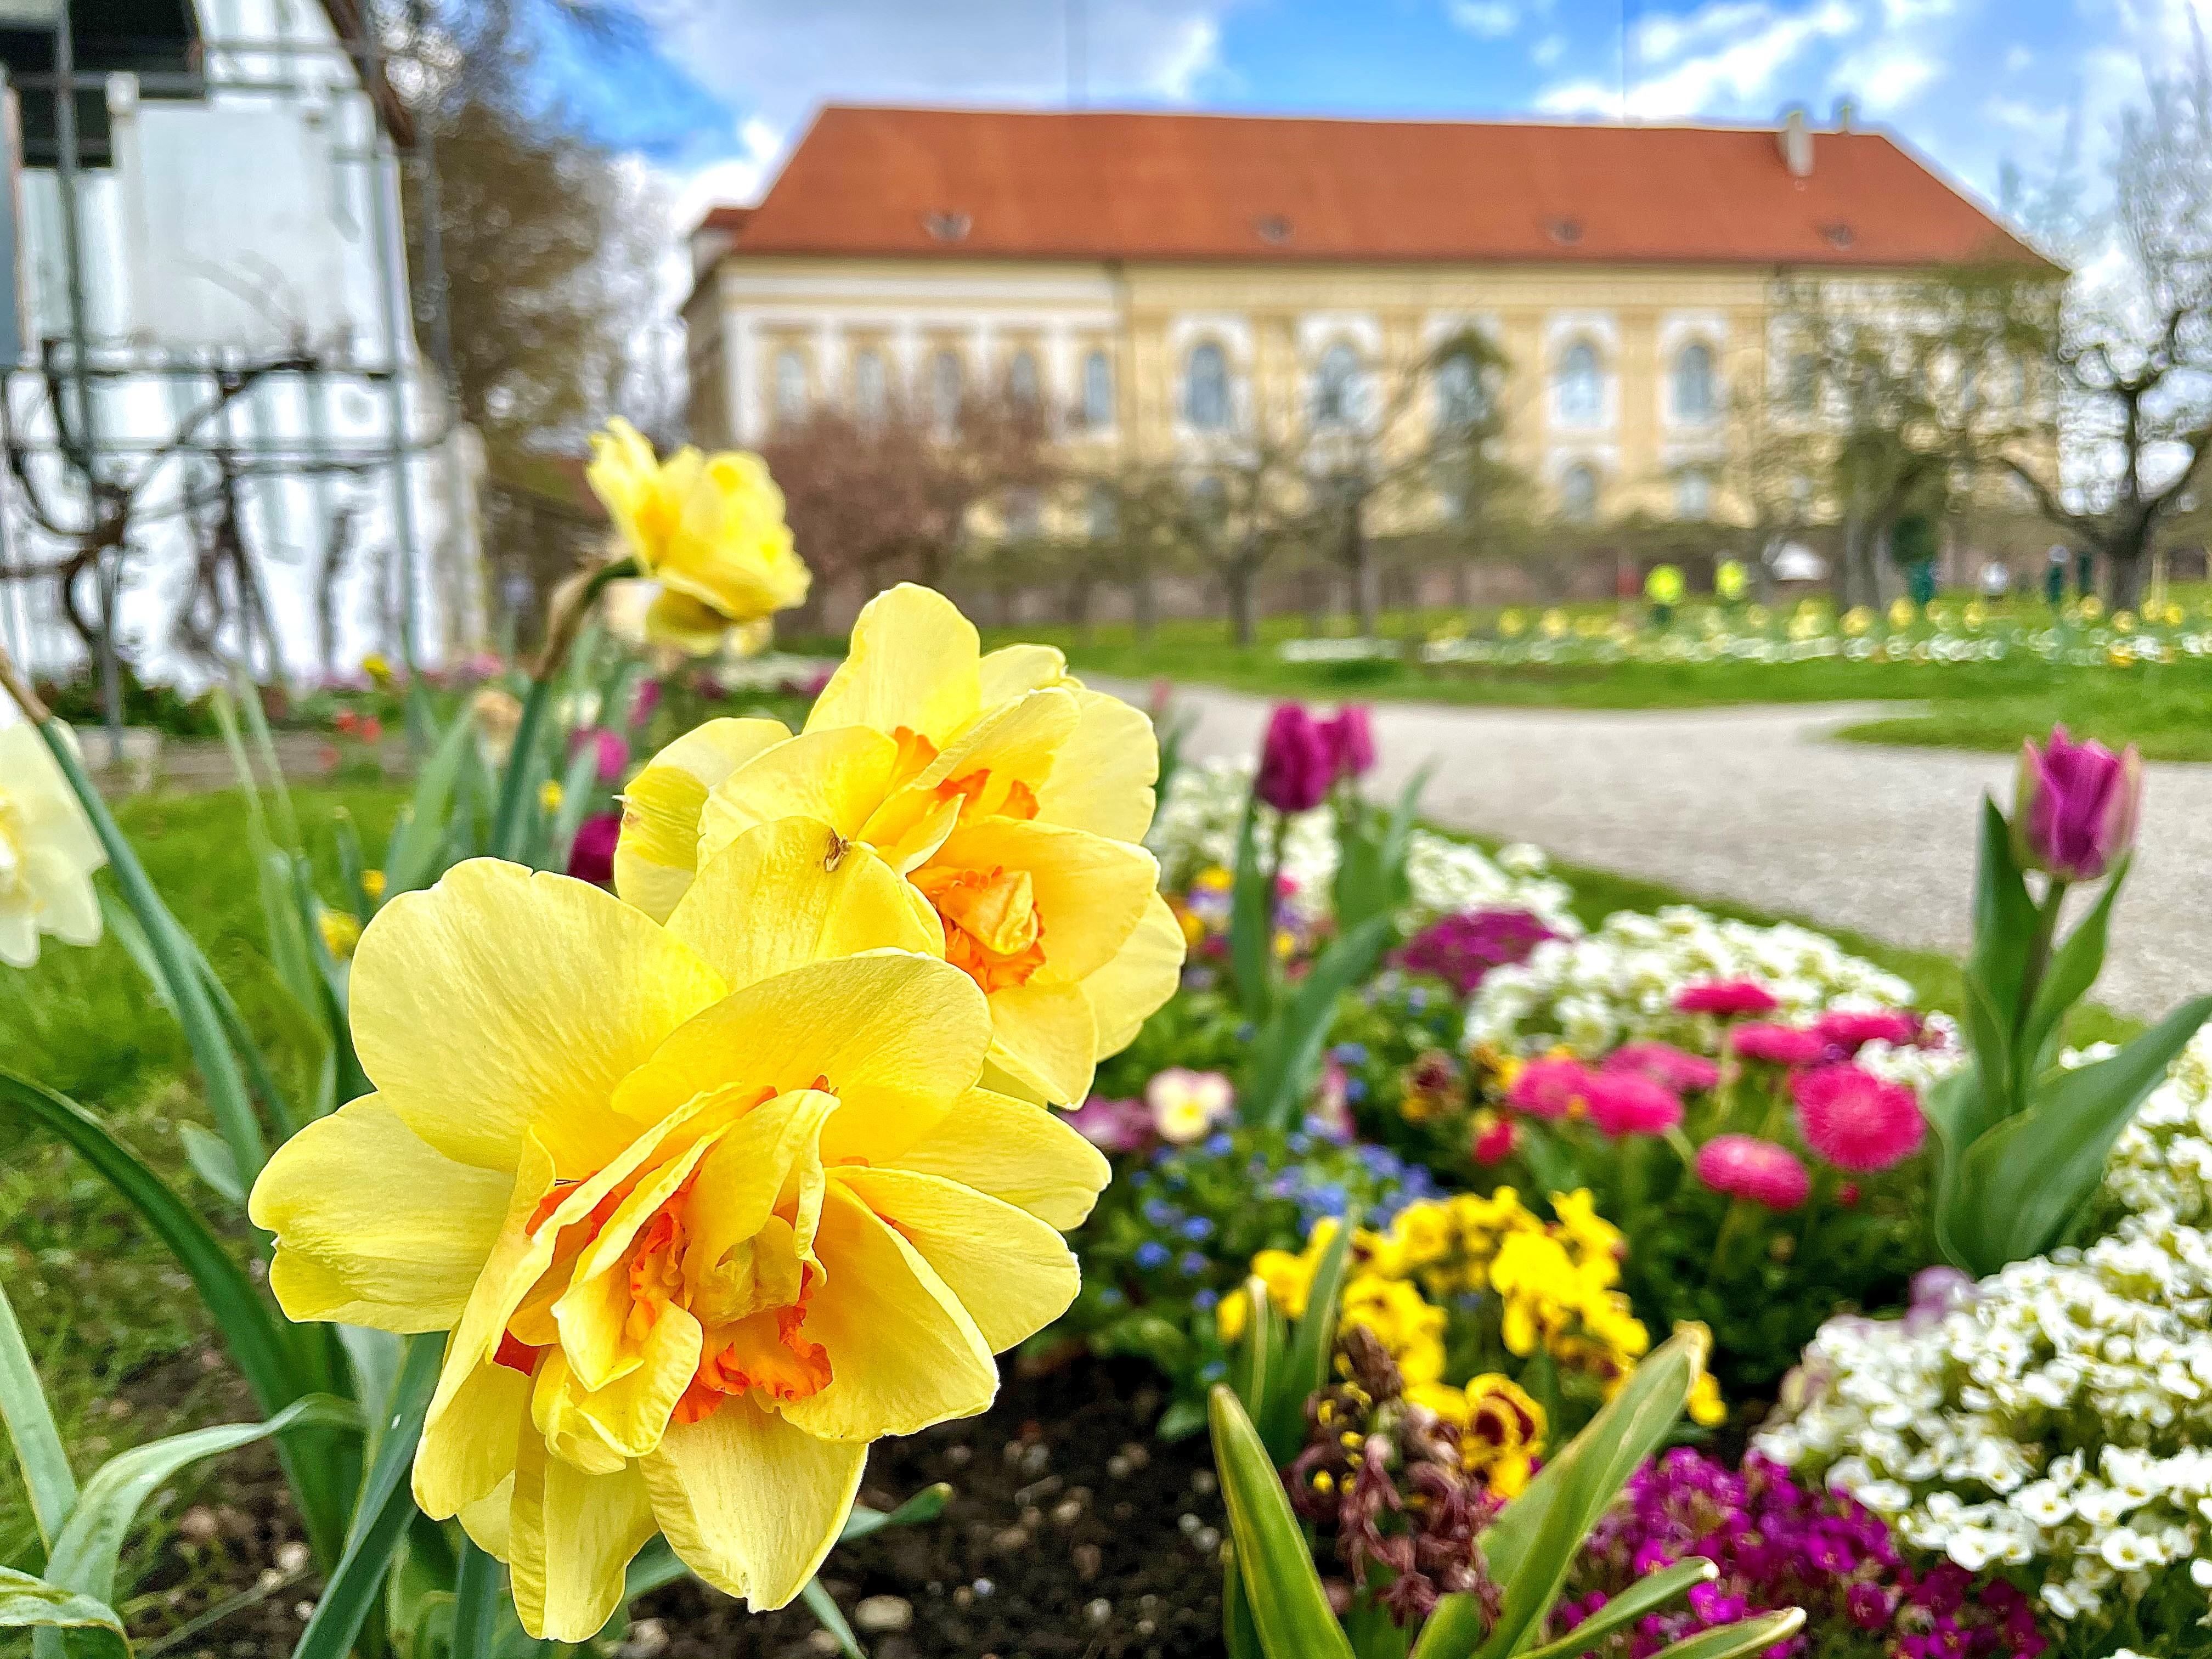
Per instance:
x=1624, y=351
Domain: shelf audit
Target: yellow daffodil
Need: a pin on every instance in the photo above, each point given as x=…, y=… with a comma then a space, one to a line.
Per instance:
x=47, y=853
x=706, y=1207
x=708, y=528
x=1010, y=796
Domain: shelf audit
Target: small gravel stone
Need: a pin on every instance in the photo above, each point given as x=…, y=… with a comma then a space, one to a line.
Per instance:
x=879, y=1614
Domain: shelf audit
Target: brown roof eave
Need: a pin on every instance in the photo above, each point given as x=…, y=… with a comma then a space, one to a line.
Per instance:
x=352, y=30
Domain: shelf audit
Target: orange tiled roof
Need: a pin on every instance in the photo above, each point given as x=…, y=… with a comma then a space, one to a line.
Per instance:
x=1098, y=185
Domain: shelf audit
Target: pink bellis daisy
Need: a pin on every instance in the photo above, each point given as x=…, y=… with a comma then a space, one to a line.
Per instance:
x=1856, y=1121
x=1744, y=1166
x=1630, y=1104
x=1549, y=1088
x=1725, y=997
x=1779, y=1045
x=1665, y=1064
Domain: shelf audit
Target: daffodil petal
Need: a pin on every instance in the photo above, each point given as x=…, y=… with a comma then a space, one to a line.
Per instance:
x=469, y=1449
x=1091, y=893
x=570, y=1535
x=502, y=1002
x=1014, y=669
x=1045, y=1036
x=1025, y=1155
x=914, y=662
x=896, y=1037
x=741, y=1179
x=659, y=848
x=1101, y=778
x=487, y=1520
x=750, y=1502
x=839, y=777
x=1014, y=1274
x=905, y=1352
x=631, y=1413
x=1143, y=974
x=374, y=1226
x=793, y=892
x=1017, y=740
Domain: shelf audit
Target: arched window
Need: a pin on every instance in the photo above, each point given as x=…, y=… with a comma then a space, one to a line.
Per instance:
x=1022, y=379
x=946, y=392
x=1578, y=494
x=1206, y=388
x=1581, y=391
x=1459, y=395
x=790, y=388
x=871, y=391
x=1336, y=387
x=1693, y=383
x=1098, y=392
x=1023, y=513
x=1103, y=513
x=1693, y=496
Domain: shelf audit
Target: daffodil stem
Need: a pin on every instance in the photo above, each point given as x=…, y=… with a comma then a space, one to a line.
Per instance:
x=19, y=688
x=570, y=607
x=476, y=1610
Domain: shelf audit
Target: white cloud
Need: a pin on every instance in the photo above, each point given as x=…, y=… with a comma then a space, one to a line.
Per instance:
x=1548, y=51
x=740, y=178
x=1491, y=19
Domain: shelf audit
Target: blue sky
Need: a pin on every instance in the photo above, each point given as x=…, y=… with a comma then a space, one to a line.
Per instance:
x=712, y=92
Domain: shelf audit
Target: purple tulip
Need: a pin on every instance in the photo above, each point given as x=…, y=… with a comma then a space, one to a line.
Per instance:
x=613, y=750
x=592, y=854
x=1298, y=762
x=2075, y=806
x=1352, y=740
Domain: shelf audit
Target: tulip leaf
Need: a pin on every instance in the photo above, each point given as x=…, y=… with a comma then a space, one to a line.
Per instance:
x=2005, y=921
x=411, y=858
x=1286, y=1056
x=924, y=1506
x=579, y=789
x=35, y=1604
x=510, y=825
x=2046, y=1161
x=1239, y=1639
x=1535, y=1538
x=1305, y=1368
x=84, y=1556
x=1250, y=1371
x=2073, y=968
x=478, y=1590
x=39, y=1450
x=1646, y=1595
x=381, y=1518
x=1251, y=917
x=1370, y=871
x=210, y=1156
x=1745, y=1636
x=1283, y=1592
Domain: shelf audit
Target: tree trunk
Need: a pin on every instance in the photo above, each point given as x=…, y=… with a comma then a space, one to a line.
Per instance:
x=1243, y=624
x=1079, y=604
x=2123, y=576
x=1145, y=604
x=1360, y=557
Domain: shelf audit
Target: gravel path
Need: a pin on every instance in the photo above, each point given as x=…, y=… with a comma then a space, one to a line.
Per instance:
x=1757, y=806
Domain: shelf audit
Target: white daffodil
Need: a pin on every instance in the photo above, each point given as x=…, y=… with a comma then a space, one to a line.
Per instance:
x=47, y=853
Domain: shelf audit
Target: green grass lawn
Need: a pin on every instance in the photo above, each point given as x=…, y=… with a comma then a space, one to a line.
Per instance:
x=2165, y=709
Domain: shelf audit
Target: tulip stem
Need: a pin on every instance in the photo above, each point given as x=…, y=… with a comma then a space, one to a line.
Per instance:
x=570, y=606
x=2038, y=943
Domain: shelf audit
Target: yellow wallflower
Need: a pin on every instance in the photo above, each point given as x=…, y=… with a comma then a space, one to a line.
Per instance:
x=548, y=794
x=1011, y=799
x=708, y=528
x=341, y=932
x=372, y=883
x=707, y=1207
x=1502, y=1435
x=1408, y=1327
x=47, y=852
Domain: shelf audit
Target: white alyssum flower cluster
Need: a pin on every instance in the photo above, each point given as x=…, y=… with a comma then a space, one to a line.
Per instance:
x=1203, y=808
x=1620, y=983
x=2061, y=1420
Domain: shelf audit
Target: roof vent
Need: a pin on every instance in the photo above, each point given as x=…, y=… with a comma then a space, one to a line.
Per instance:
x=1840, y=234
x=1566, y=232
x=1273, y=229
x=947, y=227
x=1795, y=143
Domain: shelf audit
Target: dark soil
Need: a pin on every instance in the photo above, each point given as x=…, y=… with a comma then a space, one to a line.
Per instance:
x=1071, y=1532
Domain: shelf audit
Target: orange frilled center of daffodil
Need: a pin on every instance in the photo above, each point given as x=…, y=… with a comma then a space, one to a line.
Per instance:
x=992, y=931
x=766, y=1349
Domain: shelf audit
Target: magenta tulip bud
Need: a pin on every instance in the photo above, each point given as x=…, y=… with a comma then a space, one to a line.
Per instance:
x=592, y=854
x=1351, y=739
x=2075, y=806
x=1298, y=762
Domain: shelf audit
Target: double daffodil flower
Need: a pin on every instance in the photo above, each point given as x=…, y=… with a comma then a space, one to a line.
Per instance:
x=1009, y=797
x=708, y=1200
x=47, y=853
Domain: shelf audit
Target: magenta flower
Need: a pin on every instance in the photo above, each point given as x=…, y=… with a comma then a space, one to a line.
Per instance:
x=1549, y=1088
x=1297, y=761
x=592, y=854
x=1665, y=1064
x=1351, y=741
x=1856, y=1121
x=1726, y=997
x=1852, y=1028
x=2075, y=806
x=1630, y=1104
x=1464, y=948
x=1744, y=1166
x=613, y=750
x=1779, y=1045
x=643, y=702
x=1113, y=1126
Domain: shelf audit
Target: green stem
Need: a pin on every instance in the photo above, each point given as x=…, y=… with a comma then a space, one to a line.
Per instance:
x=2040, y=941
x=1732, y=1224
x=181, y=965
x=507, y=823
x=477, y=1594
